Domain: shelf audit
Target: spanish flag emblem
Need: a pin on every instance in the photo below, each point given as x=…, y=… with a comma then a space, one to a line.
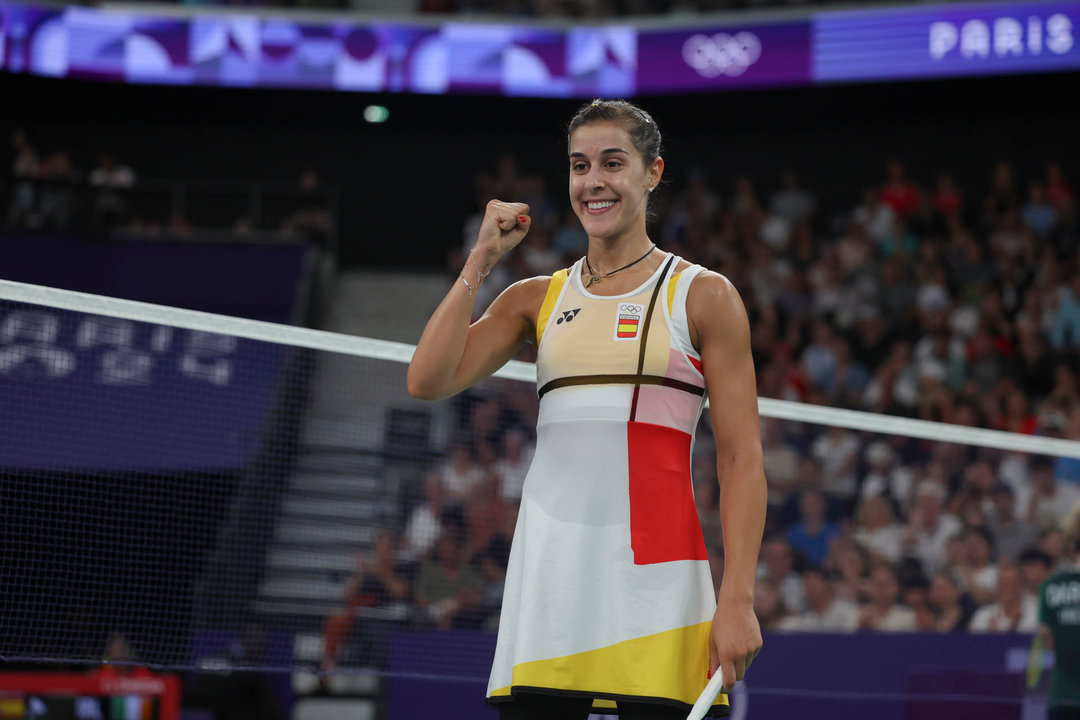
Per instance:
x=628, y=321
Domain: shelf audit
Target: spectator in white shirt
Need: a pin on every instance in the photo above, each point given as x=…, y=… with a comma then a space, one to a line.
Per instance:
x=1050, y=501
x=824, y=612
x=928, y=528
x=425, y=523
x=876, y=529
x=1013, y=612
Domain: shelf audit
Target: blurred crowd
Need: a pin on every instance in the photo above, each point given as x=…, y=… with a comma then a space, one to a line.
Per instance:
x=933, y=301
x=47, y=191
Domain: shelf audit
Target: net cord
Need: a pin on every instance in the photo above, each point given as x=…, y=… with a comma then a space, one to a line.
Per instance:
x=513, y=370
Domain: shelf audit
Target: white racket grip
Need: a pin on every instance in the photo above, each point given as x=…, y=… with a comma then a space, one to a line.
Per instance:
x=708, y=695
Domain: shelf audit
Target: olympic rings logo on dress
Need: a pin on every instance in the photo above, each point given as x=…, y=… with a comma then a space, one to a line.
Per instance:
x=721, y=54
x=626, y=308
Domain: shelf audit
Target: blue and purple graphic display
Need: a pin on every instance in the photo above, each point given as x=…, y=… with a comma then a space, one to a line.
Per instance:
x=86, y=392
x=946, y=41
x=261, y=50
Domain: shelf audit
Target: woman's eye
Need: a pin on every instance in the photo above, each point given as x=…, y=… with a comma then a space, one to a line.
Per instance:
x=614, y=164
x=578, y=167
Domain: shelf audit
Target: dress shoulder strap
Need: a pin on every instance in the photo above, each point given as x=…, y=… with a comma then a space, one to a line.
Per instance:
x=551, y=300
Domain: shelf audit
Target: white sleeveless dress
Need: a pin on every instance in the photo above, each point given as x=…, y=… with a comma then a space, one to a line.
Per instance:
x=608, y=592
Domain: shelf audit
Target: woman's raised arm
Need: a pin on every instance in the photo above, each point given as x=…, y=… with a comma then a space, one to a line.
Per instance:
x=452, y=354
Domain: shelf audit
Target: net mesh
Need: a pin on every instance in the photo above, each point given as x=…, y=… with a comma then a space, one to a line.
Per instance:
x=177, y=497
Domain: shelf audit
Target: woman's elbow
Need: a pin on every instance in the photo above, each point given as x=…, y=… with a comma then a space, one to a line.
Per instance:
x=416, y=386
x=421, y=387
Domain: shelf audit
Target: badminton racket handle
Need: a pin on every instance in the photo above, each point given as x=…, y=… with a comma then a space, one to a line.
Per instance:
x=708, y=695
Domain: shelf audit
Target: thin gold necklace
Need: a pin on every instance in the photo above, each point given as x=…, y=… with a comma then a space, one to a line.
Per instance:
x=595, y=277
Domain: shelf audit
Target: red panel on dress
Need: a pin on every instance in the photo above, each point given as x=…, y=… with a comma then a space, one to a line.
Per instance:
x=664, y=523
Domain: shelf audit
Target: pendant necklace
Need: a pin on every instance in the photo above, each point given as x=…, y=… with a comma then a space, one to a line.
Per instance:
x=595, y=277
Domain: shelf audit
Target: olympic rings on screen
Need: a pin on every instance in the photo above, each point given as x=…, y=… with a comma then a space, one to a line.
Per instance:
x=721, y=54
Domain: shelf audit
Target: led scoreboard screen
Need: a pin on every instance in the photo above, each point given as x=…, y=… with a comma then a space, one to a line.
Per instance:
x=715, y=53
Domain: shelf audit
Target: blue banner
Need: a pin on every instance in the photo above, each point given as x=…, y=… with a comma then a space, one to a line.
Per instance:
x=946, y=41
x=82, y=392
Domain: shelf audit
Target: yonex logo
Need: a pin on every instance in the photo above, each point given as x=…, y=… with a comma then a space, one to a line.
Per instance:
x=721, y=54
x=568, y=316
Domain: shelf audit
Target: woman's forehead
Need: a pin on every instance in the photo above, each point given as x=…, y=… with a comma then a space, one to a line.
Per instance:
x=598, y=137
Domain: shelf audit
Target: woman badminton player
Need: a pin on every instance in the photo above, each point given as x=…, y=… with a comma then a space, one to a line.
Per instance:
x=608, y=604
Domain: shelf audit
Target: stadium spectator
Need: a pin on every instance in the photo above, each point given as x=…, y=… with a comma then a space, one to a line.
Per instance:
x=58, y=187
x=1059, y=191
x=777, y=566
x=813, y=534
x=898, y=192
x=1065, y=334
x=1013, y=611
x=112, y=181
x=951, y=606
x=928, y=528
x=460, y=473
x=1068, y=469
x=824, y=611
x=876, y=529
x=948, y=200
x=781, y=460
x=837, y=451
x=379, y=579
x=1038, y=213
x=424, y=525
x=1049, y=501
x=885, y=475
x=1002, y=196
x=24, y=170
x=1034, y=568
x=882, y=612
x=311, y=217
x=849, y=564
x=569, y=239
x=1012, y=535
x=448, y=587
x=513, y=465
x=792, y=202
x=915, y=594
x=769, y=604
x=486, y=515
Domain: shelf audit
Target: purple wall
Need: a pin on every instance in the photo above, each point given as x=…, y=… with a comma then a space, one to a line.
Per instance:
x=808, y=676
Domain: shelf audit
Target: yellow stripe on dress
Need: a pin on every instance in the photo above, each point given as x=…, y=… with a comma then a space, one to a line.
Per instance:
x=673, y=283
x=641, y=667
x=558, y=279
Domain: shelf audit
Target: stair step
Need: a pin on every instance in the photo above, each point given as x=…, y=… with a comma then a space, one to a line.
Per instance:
x=292, y=531
x=337, y=509
x=326, y=560
x=354, y=485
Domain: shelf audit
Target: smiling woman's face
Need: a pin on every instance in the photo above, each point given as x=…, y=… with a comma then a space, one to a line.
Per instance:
x=609, y=183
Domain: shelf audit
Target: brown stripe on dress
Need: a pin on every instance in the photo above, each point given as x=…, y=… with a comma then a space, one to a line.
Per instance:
x=645, y=334
x=626, y=379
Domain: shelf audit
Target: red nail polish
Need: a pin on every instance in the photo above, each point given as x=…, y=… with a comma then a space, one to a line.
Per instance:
x=522, y=218
x=709, y=675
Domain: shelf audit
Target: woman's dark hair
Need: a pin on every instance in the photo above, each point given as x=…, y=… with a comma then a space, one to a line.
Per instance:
x=639, y=125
